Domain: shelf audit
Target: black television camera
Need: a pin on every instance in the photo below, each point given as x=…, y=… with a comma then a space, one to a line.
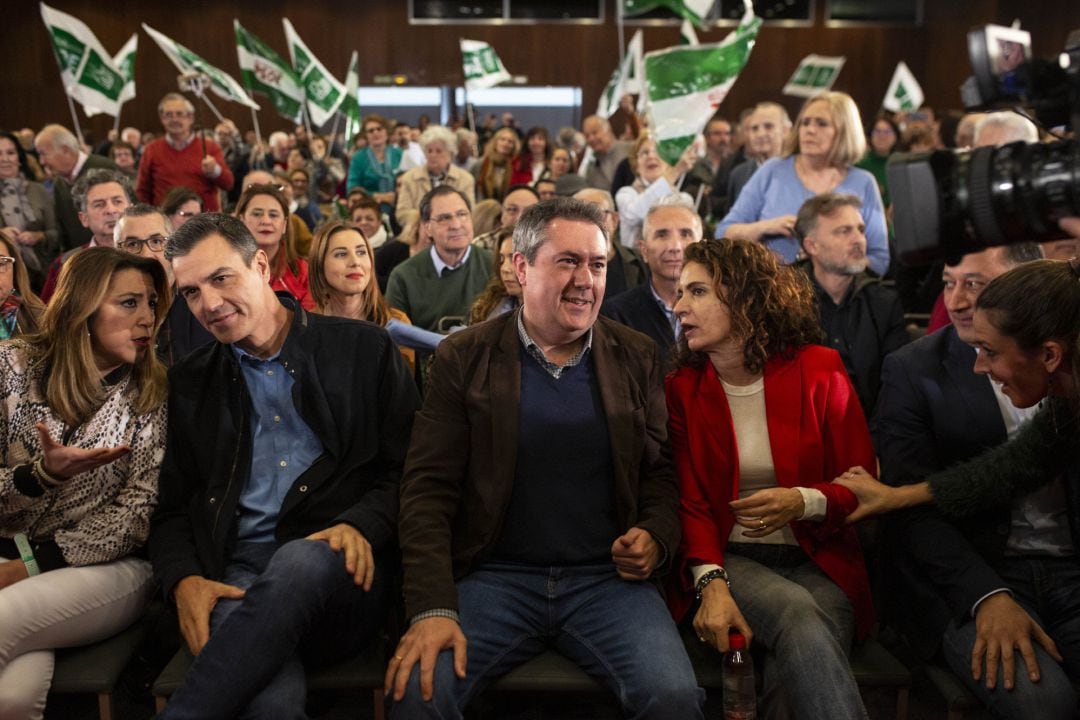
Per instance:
x=947, y=204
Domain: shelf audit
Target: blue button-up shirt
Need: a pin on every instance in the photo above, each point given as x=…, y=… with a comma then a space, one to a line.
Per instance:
x=283, y=446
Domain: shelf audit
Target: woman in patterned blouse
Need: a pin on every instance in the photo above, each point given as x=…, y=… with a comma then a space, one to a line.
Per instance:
x=82, y=436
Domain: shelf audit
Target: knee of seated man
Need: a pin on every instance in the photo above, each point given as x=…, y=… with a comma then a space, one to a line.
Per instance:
x=307, y=562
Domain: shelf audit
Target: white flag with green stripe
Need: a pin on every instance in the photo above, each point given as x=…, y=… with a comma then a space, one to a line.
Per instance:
x=86, y=70
x=265, y=72
x=124, y=62
x=685, y=84
x=350, y=106
x=222, y=83
x=625, y=79
x=323, y=91
x=693, y=10
x=815, y=75
x=481, y=66
x=904, y=92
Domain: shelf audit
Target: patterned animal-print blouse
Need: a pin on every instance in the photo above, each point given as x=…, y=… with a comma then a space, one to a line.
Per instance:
x=96, y=516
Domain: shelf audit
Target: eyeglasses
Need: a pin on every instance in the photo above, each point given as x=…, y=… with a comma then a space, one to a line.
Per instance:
x=170, y=114
x=447, y=218
x=187, y=213
x=7, y=264
x=134, y=245
x=278, y=187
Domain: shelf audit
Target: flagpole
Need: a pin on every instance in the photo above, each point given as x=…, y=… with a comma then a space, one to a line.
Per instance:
x=333, y=131
x=306, y=117
x=255, y=122
x=622, y=31
x=220, y=117
x=116, y=120
x=75, y=119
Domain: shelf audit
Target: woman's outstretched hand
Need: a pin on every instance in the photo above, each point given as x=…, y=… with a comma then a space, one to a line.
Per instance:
x=63, y=462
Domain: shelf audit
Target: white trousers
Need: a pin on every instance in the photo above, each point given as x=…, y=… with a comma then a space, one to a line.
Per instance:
x=61, y=608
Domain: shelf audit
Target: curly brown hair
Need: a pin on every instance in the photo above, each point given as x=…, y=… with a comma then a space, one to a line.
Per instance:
x=771, y=305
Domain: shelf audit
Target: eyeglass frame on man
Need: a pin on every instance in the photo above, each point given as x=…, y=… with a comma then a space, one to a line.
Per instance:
x=447, y=218
x=149, y=242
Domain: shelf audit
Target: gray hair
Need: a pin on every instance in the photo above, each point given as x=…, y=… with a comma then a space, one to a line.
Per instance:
x=785, y=119
x=277, y=137
x=467, y=134
x=93, y=178
x=439, y=133
x=531, y=231
x=176, y=97
x=200, y=227
x=675, y=200
x=139, y=210
x=1015, y=127
x=56, y=137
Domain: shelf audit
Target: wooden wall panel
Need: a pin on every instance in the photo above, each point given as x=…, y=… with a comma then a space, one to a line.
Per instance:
x=548, y=54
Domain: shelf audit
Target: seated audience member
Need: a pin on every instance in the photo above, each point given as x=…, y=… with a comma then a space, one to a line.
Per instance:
x=301, y=234
x=20, y=308
x=532, y=163
x=503, y=291
x=486, y=219
x=607, y=153
x=182, y=157
x=412, y=155
x=265, y=212
x=326, y=171
x=100, y=196
x=142, y=230
x=518, y=199
x=123, y=154
x=654, y=179
x=396, y=251
x=375, y=166
x=27, y=213
x=510, y=548
x=670, y=226
x=752, y=384
x=440, y=145
x=720, y=157
x=465, y=157
x=364, y=213
x=766, y=127
x=626, y=268
x=306, y=208
x=496, y=167
x=818, y=157
x=861, y=318
x=883, y=139
x=342, y=270
x=274, y=539
x=442, y=282
x=560, y=163
x=83, y=418
x=545, y=188
x=1000, y=542
x=180, y=205
x=278, y=156
x=59, y=152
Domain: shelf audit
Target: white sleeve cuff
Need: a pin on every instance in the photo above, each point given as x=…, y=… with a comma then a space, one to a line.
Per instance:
x=975, y=607
x=698, y=570
x=815, y=506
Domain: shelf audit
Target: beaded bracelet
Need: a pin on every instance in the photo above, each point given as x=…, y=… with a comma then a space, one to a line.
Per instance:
x=704, y=580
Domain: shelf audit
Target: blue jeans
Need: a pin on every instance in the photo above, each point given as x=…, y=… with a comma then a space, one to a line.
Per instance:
x=619, y=632
x=804, y=623
x=300, y=606
x=1049, y=591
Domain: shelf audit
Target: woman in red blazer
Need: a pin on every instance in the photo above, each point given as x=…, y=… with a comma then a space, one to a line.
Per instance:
x=761, y=421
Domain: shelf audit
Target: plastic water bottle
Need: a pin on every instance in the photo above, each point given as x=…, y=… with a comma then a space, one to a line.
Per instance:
x=740, y=698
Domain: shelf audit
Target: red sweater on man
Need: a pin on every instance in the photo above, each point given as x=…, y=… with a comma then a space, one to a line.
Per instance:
x=163, y=167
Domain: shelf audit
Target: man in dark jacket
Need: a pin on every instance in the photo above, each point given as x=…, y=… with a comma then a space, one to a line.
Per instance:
x=861, y=318
x=275, y=529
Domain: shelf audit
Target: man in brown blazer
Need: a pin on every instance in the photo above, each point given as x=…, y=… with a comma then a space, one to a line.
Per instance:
x=539, y=496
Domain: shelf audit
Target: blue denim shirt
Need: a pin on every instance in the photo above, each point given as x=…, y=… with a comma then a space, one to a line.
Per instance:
x=283, y=446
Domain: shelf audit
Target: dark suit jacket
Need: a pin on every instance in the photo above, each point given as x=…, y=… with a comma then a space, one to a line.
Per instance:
x=72, y=232
x=637, y=308
x=460, y=469
x=934, y=411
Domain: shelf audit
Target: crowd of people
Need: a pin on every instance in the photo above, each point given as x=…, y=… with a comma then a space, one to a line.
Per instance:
x=534, y=389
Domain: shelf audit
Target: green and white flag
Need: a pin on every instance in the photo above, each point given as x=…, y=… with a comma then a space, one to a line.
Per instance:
x=481, y=66
x=86, y=70
x=904, y=92
x=687, y=36
x=693, y=10
x=265, y=72
x=625, y=79
x=222, y=84
x=815, y=75
x=124, y=62
x=350, y=106
x=323, y=91
x=685, y=85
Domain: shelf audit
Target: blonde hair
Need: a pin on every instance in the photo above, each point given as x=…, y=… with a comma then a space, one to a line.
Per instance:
x=64, y=342
x=849, y=143
x=374, y=307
